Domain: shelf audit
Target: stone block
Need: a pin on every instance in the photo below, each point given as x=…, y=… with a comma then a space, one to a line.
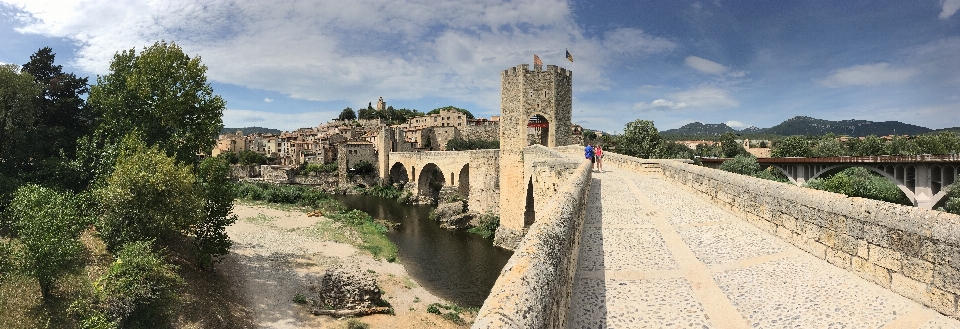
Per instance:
x=863, y=249
x=942, y=253
x=875, y=234
x=885, y=257
x=828, y=237
x=906, y=243
x=870, y=272
x=909, y=288
x=942, y=301
x=946, y=278
x=789, y=222
x=838, y=258
x=810, y=230
x=854, y=228
x=814, y=248
x=917, y=269
x=846, y=243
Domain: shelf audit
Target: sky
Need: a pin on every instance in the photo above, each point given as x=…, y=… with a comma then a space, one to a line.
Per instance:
x=287, y=64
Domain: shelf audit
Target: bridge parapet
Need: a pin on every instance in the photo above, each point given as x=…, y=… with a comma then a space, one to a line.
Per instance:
x=534, y=288
x=912, y=251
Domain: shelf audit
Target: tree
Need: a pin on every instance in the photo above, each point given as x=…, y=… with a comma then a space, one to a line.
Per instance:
x=213, y=181
x=452, y=108
x=952, y=205
x=941, y=143
x=48, y=224
x=62, y=116
x=136, y=286
x=163, y=94
x=861, y=182
x=741, y=164
x=901, y=145
x=368, y=114
x=248, y=158
x=347, y=115
x=793, y=146
x=729, y=145
x=18, y=99
x=828, y=146
x=870, y=145
x=148, y=196
x=640, y=139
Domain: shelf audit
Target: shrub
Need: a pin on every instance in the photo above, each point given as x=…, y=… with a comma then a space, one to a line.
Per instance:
x=356, y=324
x=458, y=144
x=137, y=285
x=952, y=205
x=48, y=224
x=861, y=182
x=487, y=227
x=213, y=182
x=741, y=164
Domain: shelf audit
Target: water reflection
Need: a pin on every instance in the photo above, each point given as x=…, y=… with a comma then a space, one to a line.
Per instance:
x=454, y=265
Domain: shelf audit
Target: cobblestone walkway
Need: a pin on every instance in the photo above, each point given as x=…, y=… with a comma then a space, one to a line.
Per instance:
x=654, y=255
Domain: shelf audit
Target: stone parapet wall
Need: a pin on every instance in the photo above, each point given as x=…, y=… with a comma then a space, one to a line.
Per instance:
x=534, y=288
x=911, y=251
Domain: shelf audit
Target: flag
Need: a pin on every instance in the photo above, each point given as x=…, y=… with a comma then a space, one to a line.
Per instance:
x=570, y=57
x=536, y=60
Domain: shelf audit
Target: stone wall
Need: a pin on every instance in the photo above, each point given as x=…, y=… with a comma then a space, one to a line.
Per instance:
x=486, y=132
x=534, y=288
x=238, y=172
x=911, y=251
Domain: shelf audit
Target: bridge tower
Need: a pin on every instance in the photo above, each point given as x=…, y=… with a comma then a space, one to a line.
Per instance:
x=538, y=100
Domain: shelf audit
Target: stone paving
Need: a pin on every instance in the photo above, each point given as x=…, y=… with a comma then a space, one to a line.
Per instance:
x=654, y=255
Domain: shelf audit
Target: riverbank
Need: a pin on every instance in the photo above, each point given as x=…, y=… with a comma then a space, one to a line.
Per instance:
x=280, y=253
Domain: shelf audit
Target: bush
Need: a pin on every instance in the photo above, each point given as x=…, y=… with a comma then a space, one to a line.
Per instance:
x=488, y=226
x=137, y=285
x=147, y=197
x=952, y=205
x=213, y=182
x=48, y=224
x=356, y=324
x=861, y=182
x=458, y=144
x=741, y=164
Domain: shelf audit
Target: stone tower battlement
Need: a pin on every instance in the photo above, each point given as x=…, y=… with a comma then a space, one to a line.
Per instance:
x=538, y=99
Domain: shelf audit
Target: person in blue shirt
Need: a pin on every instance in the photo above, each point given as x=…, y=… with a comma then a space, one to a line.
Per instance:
x=588, y=154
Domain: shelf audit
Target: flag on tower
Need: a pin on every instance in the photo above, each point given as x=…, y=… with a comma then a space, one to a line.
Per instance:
x=570, y=57
x=536, y=60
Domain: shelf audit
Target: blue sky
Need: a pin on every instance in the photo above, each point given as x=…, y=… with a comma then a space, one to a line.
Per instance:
x=290, y=64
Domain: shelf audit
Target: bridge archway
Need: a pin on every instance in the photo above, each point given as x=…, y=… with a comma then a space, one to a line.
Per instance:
x=902, y=175
x=538, y=130
x=529, y=213
x=464, y=182
x=430, y=181
x=398, y=174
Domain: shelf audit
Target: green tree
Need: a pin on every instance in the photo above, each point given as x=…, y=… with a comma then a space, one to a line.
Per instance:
x=640, y=139
x=148, y=196
x=861, y=182
x=870, y=145
x=458, y=144
x=828, y=146
x=741, y=164
x=62, y=116
x=793, y=146
x=163, y=94
x=347, y=115
x=137, y=286
x=452, y=108
x=48, y=224
x=248, y=158
x=18, y=101
x=368, y=114
x=213, y=180
x=901, y=145
x=729, y=145
x=941, y=143
x=952, y=205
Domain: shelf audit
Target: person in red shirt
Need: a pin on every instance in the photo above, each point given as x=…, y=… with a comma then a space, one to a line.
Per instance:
x=598, y=154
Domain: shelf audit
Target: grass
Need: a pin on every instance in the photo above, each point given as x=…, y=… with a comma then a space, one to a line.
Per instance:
x=451, y=312
x=260, y=219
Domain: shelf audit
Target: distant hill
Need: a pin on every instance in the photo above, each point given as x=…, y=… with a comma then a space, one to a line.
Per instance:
x=700, y=129
x=955, y=130
x=250, y=130
x=801, y=125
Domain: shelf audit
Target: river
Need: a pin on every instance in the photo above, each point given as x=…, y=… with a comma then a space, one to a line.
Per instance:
x=453, y=264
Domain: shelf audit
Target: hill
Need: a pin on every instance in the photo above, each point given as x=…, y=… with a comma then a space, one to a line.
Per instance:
x=802, y=125
x=955, y=130
x=250, y=130
x=700, y=129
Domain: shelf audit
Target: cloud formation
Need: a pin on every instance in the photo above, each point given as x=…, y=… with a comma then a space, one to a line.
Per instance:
x=700, y=98
x=950, y=7
x=236, y=118
x=268, y=100
x=711, y=67
x=867, y=75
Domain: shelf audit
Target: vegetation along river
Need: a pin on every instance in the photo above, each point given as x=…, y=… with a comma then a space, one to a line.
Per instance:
x=453, y=264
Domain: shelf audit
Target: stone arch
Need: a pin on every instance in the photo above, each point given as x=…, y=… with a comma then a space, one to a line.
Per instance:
x=529, y=213
x=398, y=174
x=538, y=130
x=464, y=183
x=430, y=182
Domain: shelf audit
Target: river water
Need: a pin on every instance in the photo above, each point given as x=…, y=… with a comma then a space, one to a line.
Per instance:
x=453, y=264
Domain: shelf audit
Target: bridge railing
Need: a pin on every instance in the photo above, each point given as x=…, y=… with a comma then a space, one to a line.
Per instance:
x=911, y=251
x=534, y=288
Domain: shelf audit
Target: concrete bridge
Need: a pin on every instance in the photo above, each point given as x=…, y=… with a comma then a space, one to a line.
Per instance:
x=660, y=243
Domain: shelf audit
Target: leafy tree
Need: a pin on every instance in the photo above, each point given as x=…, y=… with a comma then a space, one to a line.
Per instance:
x=48, y=224
x=870, y=145
x=229, y=157
x=213, y=180
x=62, y=116
x=347, y=115
x=148, y=196
x=18, y=100
x=942, y=143
x=453, y=108
x=741, y=164
x=640, y=139
x=458, y=144
x=163, y=94
x=673, y=150
x=952, y=204
x=729, y=145
x=793, y=146
x=904, y=146
x=368, y=114
x=137, y=286
x=248, y=158
x=705, y=151
x=828, y=146
x=363, y=168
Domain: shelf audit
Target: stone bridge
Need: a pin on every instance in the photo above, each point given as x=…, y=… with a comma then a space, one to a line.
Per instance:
x=661, y=243
x=474, y=175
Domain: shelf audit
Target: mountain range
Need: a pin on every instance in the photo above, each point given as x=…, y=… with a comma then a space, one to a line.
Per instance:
x=803, y=125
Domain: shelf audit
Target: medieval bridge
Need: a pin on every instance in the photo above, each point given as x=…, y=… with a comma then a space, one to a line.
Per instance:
x=663, y=243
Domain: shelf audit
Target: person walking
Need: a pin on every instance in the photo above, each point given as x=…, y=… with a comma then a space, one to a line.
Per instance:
x=588, y=154
x=598, y=154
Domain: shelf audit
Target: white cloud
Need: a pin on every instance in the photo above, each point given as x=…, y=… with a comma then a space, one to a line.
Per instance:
x=950, y=7
x=347, y=50
x=268, y=100
x=867, y=75
x=736, y=124
x=700, y=98
x=711, y=67
x=235, y=118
